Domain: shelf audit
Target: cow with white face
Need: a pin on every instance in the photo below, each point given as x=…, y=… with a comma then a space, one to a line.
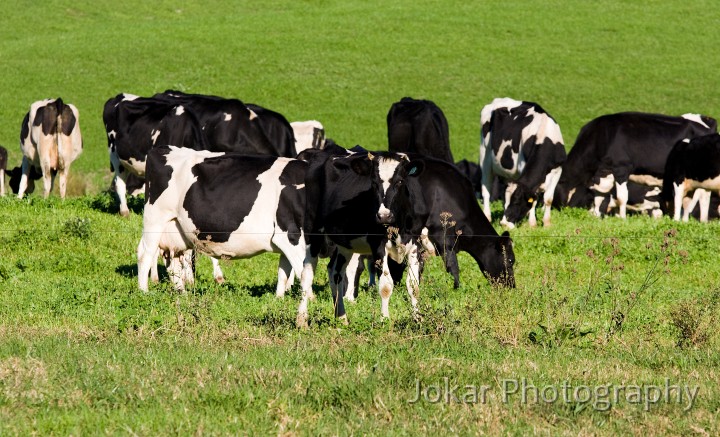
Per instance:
x=363, y=204
x=50, y=140
x=522, y=144
x=263, y=210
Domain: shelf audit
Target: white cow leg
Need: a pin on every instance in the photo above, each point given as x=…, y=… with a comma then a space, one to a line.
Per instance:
x=532, y=219
x=622, y=198
x=351, y=272
x=385, y=286
x=284, y=274
x=154, y=276
x=2, y=182
x=679, y=191
x=63, y=177
x=704, y=205
x=217, y=271
x=121, y=190
x=24, y=178
x=188, y=267
x=412, y=279
x=147, y=254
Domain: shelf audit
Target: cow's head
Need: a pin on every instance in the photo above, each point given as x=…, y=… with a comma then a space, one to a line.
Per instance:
x=521, y=200
x=389, y=173
x=15, y=175
x=498, y=262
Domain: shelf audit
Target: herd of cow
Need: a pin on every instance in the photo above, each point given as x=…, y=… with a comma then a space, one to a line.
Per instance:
x=232, y=180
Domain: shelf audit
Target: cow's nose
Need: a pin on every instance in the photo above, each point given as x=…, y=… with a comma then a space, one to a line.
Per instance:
x=384, y=215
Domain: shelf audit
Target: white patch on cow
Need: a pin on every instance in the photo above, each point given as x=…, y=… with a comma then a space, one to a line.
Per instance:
x=228, y=116
x=299, y=186
x=112, y=134
x=426, y=243
x=253, y=115
x=179, y=110
x=305, y=136
x=605, y=185
x=570, y=195
x=386, y=169
x=696, y=118
x=644, y=179
x=154, y=135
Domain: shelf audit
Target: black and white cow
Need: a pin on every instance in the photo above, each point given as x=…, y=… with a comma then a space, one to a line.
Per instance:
x=263, y=200
x=455, y=223
x=362, y=203
x=50, y=140
x=418, y=126
x=522, y=144
x=135, y=125
x=691, y=165
x=309, y=134
x=3, y=168
x=613, y=149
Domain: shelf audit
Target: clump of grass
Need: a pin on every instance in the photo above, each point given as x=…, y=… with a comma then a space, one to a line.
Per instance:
x=78, y=227
x=694, y=320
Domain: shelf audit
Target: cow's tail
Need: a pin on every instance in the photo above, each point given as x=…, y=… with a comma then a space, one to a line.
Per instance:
x=55, y=152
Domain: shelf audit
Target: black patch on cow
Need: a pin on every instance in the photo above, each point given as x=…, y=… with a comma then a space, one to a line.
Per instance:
x=24, y=128
x=507, y=160
x=418, y=126
x=216, y=179
x=67, y=119
x=292, y=200
x=157, y=166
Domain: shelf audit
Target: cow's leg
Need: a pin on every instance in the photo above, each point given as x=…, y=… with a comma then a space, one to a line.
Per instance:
x=532, y=218
x=154, y=276
x=621, y=190
x=188, y=266
x=174, y=267
x=679, y=192
x=412, y=279
x=25, y=168
x=487, y=181
x=63, y=181
x=120, y=186
x=372, y=270
x=551, y=181
x=352, y=273
x=147, y=253
x=337, y=276
x=2, y=182
x=602, y=188
x=704, y=204
x=306, y=278
x=385, y=286
x=285, y=276
x=217, y=271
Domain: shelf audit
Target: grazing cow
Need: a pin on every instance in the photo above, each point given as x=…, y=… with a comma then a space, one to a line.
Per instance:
x=135, y=125
x=363, y=204
x=522, y=144
x=616, y=148
x=50, y=140
x=418, y=126
x=263, y=200
x=308, y=135
x=3, y=168
x=691, y=165
x=456, y=223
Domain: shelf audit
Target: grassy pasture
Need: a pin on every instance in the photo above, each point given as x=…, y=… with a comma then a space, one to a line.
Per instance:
x=599, y=302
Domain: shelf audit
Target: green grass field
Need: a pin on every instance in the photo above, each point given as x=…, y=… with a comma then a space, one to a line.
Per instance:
x=606, y=312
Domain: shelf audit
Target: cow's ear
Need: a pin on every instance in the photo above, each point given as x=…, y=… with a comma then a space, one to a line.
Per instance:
x=503, y=241
x=361, y=165
x=415, y=168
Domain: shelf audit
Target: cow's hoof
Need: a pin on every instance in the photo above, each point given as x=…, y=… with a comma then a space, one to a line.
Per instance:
x=344, y=320
x=125, y=213
x=301, y=321
x=219, y=279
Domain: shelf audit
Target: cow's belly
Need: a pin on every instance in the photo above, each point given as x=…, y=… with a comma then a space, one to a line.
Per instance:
x=134, y=166
x=712, y=184
x=241, y=244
